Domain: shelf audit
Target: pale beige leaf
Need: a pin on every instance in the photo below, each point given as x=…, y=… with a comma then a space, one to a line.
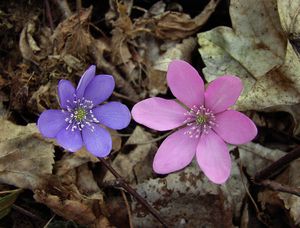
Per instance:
x=256, y=157
x=188, y=199
x=256, y=50
x=25, y=158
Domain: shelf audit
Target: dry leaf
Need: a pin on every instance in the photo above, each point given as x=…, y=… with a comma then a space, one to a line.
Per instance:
x=25, y=158
x=180, y=195
x=136, y=165
x=292, y=202
x=256, y=50
x=175, y=25
x=256, y=157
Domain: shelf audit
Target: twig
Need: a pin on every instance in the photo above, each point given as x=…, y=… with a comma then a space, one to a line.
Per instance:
x=27, y=213
x=132, y=192
x=50, y=220
x=277, y=165
x=64, y=7
x=49, y=15
x=128, y=208
x=273, y=185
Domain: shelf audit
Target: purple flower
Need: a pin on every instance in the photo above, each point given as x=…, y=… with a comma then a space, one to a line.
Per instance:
x=205, y=122
x=81, y=120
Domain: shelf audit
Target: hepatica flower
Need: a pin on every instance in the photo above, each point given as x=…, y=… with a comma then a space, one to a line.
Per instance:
x=205, y=125
x=81, y=120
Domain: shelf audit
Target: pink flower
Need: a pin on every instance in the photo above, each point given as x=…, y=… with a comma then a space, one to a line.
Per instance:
x=205, y=123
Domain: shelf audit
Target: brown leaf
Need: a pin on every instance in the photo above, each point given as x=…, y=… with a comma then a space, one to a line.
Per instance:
x=174, y=25
x=25, y=158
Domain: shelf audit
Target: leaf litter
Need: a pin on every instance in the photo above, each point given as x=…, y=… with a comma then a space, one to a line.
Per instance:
x=135, y=44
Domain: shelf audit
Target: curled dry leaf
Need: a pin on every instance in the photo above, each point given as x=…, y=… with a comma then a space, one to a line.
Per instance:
x=257, y=52
x=25, y=158
x=74, y=195
x=179, y=195
x=174, y=25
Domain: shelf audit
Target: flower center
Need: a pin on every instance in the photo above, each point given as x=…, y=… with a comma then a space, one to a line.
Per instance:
x=199, y=120
x=80, y=114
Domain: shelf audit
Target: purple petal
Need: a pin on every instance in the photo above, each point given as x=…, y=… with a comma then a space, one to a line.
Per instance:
x=113, y=115
x=98, y=141
x=85, y=79
x=100, y=88
x=185, y=83
x=223, y=93
x=70, y=140
x=175, y=153
x=158, y=113
x=235, y=127
x=51, y=122
x=66, y=93
x=213, y=157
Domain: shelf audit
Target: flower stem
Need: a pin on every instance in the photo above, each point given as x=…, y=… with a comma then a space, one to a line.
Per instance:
x=277, y=165
x=121, y=182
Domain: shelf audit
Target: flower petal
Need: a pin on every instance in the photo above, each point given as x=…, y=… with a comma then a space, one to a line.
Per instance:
x=100, y=88
x=185, y=83
x=175, y=153
x=213, y=157
x=98, y=142
x=158, y=113
x=85, y=79
x=51, y=122
x=223, y=93
x=70, y=140
x=235, y=127
x=113, y=115
x=66, y=93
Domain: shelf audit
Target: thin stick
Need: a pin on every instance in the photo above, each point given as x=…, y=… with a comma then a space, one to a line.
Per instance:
x=27, y=213
x=128, y=209
x=49, y=15
x=132, y=192
x=47, y=224
x=64, y=7
x=277, y=165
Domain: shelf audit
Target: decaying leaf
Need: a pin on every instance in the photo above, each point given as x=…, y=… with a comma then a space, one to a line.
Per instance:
x=290, y=203
x=180, y=195
x=257, y=51
x=136, y=165
x=259, y=156
x=25, y=158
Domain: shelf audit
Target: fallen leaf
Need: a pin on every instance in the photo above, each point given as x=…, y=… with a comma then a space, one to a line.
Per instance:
x=255, y=157
x=25, y=158
x=135, y=165
x=179, y=195
x=255, y=50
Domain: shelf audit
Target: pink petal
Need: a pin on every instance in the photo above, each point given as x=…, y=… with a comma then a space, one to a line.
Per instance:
x=175, y=153
x=213, y=157
x=159, y=114
x=223, y=93
x=235, y=127
x=185, y=83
